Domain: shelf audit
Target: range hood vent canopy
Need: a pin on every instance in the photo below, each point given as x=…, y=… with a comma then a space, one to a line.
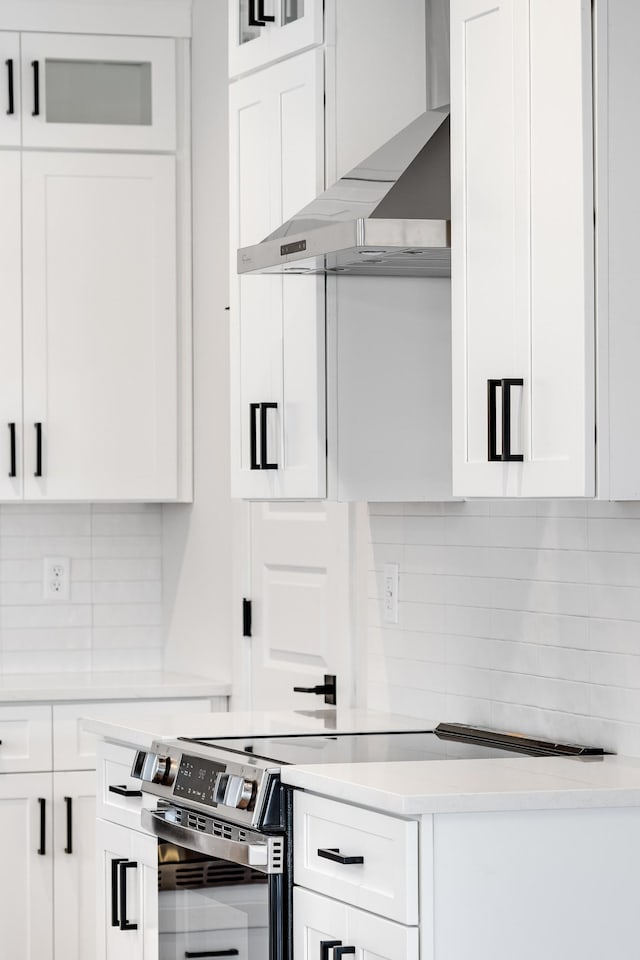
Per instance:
x=389, y=216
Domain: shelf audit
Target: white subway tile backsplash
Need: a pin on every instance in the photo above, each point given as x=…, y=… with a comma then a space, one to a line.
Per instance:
x=522, y=615
x=113, y=617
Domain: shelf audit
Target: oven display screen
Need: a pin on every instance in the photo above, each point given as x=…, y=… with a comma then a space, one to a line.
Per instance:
x=196, y=779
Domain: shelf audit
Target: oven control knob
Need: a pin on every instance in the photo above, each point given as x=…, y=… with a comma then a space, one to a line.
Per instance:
x=239, y=792
x=153, y=769
x=164, y=772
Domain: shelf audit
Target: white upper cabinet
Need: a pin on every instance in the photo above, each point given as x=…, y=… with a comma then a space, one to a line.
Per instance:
x=98, y=92
x=523, y=248
x=11, y=313
x=9, y=89
x=262, y=31
x=277, y=327
x=100, y=326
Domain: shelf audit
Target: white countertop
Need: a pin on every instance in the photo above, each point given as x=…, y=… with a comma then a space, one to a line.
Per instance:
x=460, y=786
x=107, y=686
x=141, y=731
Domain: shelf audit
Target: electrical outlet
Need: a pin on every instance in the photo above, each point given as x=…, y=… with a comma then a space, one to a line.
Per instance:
x=390, y=593
x=56, y=578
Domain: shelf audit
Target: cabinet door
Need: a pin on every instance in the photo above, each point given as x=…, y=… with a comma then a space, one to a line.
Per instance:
x=318, y=920
x=261, y=31
x=98, y=92
x=9, y=89
x=522, y=253
x=26, y=887
x=100, y=327
x=74, y=873
x=277, y=329
x=118, y=845
x=11, y=313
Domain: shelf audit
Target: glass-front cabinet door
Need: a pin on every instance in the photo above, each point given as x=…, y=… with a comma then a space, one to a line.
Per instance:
x=261, y=31
x=98, y=92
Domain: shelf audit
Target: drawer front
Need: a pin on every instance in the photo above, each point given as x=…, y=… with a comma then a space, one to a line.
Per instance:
x=243, y=943
x=118, y=797
x=75, y=749
x=385, y=882
x=25, y=732
x=318, y=919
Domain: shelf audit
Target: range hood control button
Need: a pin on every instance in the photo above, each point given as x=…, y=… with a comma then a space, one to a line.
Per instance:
x=239, y=792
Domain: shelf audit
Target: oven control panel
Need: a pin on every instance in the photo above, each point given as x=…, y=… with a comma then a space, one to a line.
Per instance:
x=197, y=779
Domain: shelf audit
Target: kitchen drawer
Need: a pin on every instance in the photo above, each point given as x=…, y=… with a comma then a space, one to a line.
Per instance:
x=25, y=732
x=75, y=748
x=247, y=943
x=317, y=919
x=113, y=765
x=386, y=882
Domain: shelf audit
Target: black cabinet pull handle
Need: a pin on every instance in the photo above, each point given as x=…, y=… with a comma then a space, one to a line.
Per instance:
x=12, y=448
x=326, y=945
x=264, y=462
x=124, y=791
x=506, y=420
x=231, y=952
x=253, y=20
x=122, y=874
x=340, y=952
x=38, y=471
x=42, y=849
x=333, y=854
x=11, y=107
x=492, y=430
x=36, y=88
x=262, y=15
x=253, y=435
x=69, y=846
x=115, y=918
x=328, y=688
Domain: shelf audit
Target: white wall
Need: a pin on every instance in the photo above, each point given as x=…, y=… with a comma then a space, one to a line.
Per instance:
x=112, y=620
x=198, y=538
x=516, y=615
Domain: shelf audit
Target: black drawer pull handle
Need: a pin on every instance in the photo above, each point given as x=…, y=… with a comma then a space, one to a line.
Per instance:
x=122, y=874
x=124, y=791
x=264, y=462
x=42, y=849
x=326, y=945
x=69, y=846
x=12, y=448
x=36, y=88
x=333, y=854
x=38, y=471
x=11, y=107
x=115, y=919
x=253, y=435
x=340, y=951
x=262, y=15
x=231, y=952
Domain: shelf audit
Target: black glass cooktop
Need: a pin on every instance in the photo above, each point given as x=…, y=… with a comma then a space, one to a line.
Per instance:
x=446, y=742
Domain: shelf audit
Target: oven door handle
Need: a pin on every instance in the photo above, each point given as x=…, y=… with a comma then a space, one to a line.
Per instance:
x=258, y=856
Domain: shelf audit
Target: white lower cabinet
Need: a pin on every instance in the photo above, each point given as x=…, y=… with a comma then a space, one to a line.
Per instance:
x=325, y=928
x=26, y=885
x=74, y=857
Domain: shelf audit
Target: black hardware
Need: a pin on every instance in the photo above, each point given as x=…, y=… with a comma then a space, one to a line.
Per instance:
x=122, y=873
x=262, y=15
x=246, y=617
x=264, y=463
x=253, y=20
x=12, y=447
x=69, y=846
x=340, y=952
x=10, y=108
x=506, y=420
x=326, y=945
x=333, y=854
x=43, y=826
x=253, y=433
x=36, y=88
x=115, y=920
x=328, y=688
x=38, y=427
x=231, y=952
x=492, y=386
x=124, y=791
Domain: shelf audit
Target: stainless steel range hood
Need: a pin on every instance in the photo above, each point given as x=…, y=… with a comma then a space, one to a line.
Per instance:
x=389, y=216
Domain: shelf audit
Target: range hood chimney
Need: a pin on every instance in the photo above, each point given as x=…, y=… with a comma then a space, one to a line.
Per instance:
x=389, y=216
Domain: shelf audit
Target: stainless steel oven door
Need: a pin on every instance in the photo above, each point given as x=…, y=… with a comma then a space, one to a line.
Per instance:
x=221, y=889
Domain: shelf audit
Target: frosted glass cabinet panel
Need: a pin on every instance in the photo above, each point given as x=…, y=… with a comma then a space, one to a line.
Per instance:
x=98, y=92
x=262, y=31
